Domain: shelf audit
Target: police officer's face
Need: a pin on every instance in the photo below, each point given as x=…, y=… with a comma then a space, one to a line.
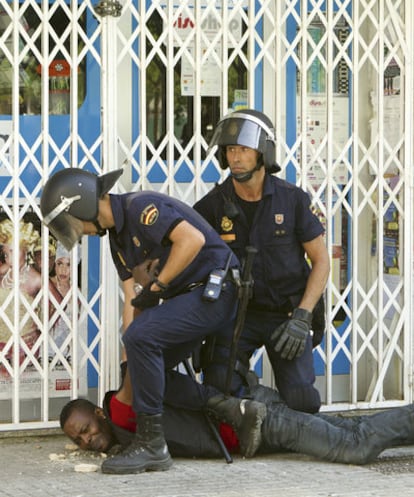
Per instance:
x=89, y=228
x=241, y=159
x=89, y=431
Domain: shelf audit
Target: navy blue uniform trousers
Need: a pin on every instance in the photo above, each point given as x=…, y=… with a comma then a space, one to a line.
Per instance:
x=294, y=378
x=161, y=337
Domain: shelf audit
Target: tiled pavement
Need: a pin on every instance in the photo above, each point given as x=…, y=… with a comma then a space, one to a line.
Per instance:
x=46, y=465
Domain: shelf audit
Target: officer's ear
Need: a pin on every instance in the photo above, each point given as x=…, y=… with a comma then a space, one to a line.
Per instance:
x=99, y=412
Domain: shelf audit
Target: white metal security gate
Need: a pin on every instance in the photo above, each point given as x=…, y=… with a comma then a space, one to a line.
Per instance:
x=142, y=84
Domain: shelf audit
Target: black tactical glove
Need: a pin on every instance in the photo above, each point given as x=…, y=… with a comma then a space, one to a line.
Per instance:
x=290, y=337
x=146, y=298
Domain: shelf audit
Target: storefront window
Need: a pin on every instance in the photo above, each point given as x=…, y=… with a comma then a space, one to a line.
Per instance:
x=184, y=96
x=30, y=66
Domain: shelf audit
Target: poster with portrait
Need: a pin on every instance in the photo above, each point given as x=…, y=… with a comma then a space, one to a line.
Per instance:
x=24, y=337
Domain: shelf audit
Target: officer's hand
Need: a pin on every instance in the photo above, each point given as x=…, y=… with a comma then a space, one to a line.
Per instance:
x=146, y=271
x=290, y=337
x=146, y=298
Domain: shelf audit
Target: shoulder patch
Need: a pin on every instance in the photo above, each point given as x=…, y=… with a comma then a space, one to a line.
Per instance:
x=149, y=215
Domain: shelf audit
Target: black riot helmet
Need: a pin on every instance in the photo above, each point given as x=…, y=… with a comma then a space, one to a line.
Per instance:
x=250, y=128
x=71, y=196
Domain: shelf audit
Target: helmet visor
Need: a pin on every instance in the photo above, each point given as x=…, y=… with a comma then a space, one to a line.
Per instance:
x=67, y=229
x=241, y=130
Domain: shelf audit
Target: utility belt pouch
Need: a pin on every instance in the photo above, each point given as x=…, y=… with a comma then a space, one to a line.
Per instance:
x=206, y=352
x=318, y=322
x=196, y=358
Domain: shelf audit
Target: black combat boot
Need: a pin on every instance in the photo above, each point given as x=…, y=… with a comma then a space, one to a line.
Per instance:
x=245, y=416
x=147, y=452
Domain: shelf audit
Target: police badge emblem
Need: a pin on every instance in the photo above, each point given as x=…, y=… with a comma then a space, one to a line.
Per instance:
x=279, y=218
x=226, y=224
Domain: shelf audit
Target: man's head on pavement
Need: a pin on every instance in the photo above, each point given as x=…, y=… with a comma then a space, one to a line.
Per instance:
x=87, y=426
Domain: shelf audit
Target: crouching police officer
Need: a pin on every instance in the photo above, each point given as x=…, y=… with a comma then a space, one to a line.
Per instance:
x=253, y=207
x=148, y=225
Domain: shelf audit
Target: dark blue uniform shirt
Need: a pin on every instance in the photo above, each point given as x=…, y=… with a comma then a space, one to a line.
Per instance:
x=282, y=222
x=143, y=222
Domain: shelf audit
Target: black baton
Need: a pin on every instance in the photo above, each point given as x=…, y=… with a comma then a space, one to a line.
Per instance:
x=209, y=421
x=245, y=293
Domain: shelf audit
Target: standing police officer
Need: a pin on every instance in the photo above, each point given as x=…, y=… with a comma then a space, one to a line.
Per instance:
x=252, y=207
x=148, y=225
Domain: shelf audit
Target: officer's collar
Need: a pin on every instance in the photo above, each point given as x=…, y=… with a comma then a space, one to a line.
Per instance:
x=268, y=187
x=117, y=212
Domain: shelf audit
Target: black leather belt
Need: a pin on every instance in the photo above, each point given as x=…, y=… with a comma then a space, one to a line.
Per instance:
x=193, y=286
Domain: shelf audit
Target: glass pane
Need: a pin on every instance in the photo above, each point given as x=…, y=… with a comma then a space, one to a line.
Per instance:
x=30, y=66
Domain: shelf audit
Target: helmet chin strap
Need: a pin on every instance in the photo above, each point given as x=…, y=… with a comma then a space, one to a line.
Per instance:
x=243, y=177
x=99, y=230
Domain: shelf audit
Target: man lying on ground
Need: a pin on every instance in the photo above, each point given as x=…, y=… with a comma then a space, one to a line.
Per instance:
x=186, y=405
x=351, y=440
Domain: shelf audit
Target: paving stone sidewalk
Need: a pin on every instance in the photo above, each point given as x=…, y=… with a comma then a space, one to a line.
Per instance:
x=33, y=466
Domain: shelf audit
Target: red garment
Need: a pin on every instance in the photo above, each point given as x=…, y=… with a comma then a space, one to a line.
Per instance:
x=123, y=416
x=229, y=437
